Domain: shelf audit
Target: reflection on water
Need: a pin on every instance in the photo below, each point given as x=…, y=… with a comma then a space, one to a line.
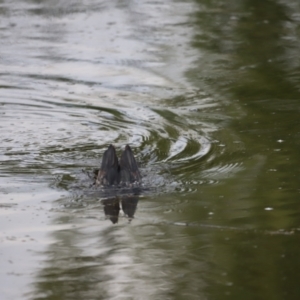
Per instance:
x=205, y=93
x=112, y=207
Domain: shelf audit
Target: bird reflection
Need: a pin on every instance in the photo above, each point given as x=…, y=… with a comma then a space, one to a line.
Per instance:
x=121, y=178
x=112, y=207
x=129, y=204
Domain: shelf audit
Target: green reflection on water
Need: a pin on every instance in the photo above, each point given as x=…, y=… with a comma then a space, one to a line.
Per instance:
x=248, y=56
x=254, y=44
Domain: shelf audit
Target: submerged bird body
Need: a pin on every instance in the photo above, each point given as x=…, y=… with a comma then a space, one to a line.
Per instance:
x=114, y=173
x=119, y=173
x=129, y=170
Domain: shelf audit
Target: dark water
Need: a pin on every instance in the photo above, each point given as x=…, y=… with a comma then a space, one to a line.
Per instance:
x=207, y=95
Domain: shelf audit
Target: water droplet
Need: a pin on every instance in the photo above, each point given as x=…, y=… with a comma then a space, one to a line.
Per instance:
x=269, y=208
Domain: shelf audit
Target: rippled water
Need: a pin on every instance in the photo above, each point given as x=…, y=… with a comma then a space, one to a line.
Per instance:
x=211, y=113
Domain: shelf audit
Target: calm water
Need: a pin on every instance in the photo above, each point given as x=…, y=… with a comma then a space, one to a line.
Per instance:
x=206, y=93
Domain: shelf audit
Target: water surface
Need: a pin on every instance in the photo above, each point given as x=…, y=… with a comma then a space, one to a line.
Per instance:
x=207, y=95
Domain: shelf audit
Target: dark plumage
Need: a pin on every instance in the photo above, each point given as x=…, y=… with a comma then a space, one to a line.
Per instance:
x=113, y=173
x=129, y=169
